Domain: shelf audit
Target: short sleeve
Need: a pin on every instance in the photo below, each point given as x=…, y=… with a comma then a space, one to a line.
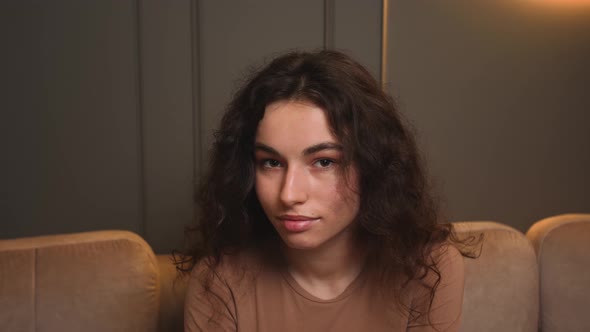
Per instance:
x=445, y=312
x=209, y=308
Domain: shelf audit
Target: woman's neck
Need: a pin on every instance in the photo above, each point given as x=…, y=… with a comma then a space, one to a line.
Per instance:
x=328, y=270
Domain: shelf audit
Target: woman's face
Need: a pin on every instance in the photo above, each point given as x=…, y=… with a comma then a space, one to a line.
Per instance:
x=300, y=181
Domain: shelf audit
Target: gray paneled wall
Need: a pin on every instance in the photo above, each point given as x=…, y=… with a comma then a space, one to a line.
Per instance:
x=108, y=106
x=500, y=94
x=70, y=117
x=166, y=85
x=112, y=103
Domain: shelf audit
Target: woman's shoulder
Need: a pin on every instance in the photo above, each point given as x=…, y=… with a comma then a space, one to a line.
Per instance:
x=443, y=267
x=214, y=289
x=446, y=262
x=447, y=257
x=228, y=268
x=437, y=298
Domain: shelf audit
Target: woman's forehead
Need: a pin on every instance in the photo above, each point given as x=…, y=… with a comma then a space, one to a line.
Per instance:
x=294, y=122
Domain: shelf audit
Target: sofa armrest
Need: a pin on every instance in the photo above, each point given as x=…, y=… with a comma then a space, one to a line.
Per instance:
x=93, y=281
x=501, y=285
x=562, y=244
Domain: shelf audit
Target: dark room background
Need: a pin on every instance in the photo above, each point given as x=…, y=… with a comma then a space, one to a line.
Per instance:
x=108, y=106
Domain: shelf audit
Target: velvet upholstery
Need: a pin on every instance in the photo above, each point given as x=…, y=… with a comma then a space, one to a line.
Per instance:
x=111, y=281
x=562, y=244
x=501, y=285
x=94, y=281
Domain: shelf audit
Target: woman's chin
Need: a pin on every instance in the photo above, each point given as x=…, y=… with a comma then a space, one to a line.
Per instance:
x=299, y=242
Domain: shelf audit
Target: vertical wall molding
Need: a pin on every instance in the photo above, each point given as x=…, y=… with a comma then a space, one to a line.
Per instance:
x=140, y=125
x=328, y=24
x=384, y=44
x=196, y=100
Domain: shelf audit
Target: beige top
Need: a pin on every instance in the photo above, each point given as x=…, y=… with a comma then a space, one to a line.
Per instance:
x=248, y=296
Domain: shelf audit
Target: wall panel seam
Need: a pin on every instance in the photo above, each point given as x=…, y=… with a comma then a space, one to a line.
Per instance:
x=141, y=125
x=196, y=92
x=384, y=44
x=328, y=24
x=35, y=293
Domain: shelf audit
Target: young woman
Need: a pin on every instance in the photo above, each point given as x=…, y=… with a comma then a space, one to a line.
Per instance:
x=315, y=214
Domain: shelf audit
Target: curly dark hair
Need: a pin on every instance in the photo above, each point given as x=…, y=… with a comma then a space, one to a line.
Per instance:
x=398, y=215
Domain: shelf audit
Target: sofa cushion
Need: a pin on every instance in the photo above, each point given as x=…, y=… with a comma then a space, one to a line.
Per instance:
x=562, y=244
x=501, y=285
x=94, y=281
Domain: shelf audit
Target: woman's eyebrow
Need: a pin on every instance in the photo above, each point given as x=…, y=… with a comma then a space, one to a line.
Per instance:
x=266, y=148
x=309, y=150
x=322, y=146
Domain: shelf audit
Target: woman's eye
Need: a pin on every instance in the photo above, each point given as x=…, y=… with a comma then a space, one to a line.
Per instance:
x=323, y=163
x=271, y=163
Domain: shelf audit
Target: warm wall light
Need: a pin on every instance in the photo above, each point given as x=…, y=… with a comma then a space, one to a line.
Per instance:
x=565, y=3
x=560, y=8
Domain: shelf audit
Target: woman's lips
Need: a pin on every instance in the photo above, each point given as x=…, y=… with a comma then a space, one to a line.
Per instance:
x=297, y=223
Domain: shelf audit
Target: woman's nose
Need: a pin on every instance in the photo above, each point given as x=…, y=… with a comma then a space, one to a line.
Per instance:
x=294, y=189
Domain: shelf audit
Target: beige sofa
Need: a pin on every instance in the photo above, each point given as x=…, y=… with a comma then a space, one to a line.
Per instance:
x=112, y=281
